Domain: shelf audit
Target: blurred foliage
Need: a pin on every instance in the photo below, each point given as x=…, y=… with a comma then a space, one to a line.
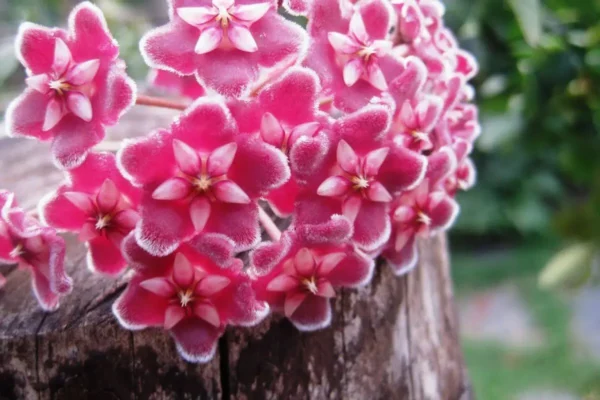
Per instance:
x=539, y=155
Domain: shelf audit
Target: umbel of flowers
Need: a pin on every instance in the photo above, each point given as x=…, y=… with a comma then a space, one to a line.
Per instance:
x=357, y=129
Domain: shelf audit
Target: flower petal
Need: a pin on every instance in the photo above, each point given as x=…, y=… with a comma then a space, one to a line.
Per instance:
x=220, y=160
x=377, y=192
x=251, y=12
x=54, y=113
x=38, y=83
x=197, y=15
x=83, y=73
x=108, y=196
x=80, y=200
x=183, y=271
x=304, y=262
x=334, y=186
x=282, y=283
x=105, y=257
x=186, y=157
x=209, y=39
x=325, y=289
x=196, y=339
x=62, y=57
x=352, y=71
x=200, y=212
x=347, y=158
x=137, y=308
x=211, y=285
x=292, y=302
x=230, y=192
x=271, y=130
x=80, y=105
x=342, y=43
x=312, y=314
x=208, y=313
x=375, y=76
x=374, y=159
x=159, y=286
x=241, y=38
x=329, y=262
x=172, y=189
x=173, y=315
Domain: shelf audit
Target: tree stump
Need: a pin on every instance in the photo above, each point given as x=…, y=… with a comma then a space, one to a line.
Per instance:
x=394, y=339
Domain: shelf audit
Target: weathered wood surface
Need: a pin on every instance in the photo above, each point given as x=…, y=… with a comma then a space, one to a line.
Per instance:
x=395, y=339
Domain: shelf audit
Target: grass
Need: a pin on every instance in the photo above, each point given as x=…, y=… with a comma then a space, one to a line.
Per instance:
x=500, y=373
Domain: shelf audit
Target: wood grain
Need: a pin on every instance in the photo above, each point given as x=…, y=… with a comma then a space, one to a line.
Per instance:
x=394, y=339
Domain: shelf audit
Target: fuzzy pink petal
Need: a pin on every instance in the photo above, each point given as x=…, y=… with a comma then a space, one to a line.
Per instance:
x=279, y=41
x=35, y=46
x=304, y=262
x=404, y=260
x=205, y=125
x=108, y=196
x=402, y=169
x=91, y=35
x=355, y=270
x=105, y=257
x=73, y=140
x=138, y=308
x=271, y=130
x=443, y=214
x=329, y=262
x=325, y=289
x=137, y=158
x=237, y=221
x=372, y=225
x=115, y=96
x=282, y=199
x=60, y=212
x=258, y=167
x=196, y=339
x=292, y=302
x=229, y=72
x=440, y=165
x=376, y=18
x=173, y=315
x=362, y=127
x=171, y=47
x=47, y=299
x=312, y=314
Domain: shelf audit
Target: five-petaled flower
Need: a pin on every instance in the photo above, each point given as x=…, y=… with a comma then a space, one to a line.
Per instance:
x=76, y=86
x=202, y=175
x=23, y=240
x=299, y=274
x=194, y=293
x=228, y=46
x=100, y=205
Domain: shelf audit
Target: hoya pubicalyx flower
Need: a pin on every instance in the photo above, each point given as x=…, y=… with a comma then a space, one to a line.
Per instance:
x=76, y=85
x=26, y=242
x=193, y=293
x=226, y=44
x=98, y=204
x=356, y=133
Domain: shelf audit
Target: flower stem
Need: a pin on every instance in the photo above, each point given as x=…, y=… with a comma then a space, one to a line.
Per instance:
x=143, y=100
x=268, y=224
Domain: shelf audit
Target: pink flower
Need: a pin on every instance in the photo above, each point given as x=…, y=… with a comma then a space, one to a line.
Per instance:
x=202, y=175
x=350, y=51
x=23, y=240
x=285, y=113
x=186, y=86
x=421, y=212
x=416, y=120
x=100, y=205
x=193, y=293
x=225, y=44
x=76, y=86
x=465, y=175
x=299, y=275
x=358, y=178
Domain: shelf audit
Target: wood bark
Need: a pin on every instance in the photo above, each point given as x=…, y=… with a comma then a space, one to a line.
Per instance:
x=397, y=338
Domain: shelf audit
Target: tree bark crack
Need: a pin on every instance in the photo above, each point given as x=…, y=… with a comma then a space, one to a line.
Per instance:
x=38, y=387
x=344, y=355
x=411, y=382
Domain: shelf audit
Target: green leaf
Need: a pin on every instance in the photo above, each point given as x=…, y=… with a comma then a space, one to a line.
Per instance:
x=528, y=14
x=569, y=268
x=9, y=62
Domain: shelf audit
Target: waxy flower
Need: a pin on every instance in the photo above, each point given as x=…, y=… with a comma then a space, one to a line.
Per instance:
x=299, y=275
x=421, y=212
x=415, y=122
x=362, y=172
x=201, y=175
x=100, y=205
x=285, y=113
x=465, y=175
x=23, y=240
x=350, y=51
x=193, y=293
x=76, y=86
x=173, y=83
x=225, y=44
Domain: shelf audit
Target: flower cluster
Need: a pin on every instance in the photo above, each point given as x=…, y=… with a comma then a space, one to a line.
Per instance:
x=355, y=133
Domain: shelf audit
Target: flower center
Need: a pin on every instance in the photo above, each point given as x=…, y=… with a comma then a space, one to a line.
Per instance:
x=103, y=222
x=203, y=183
x=423, y=218
x=360, y=182
x=365, y=53
x=17, y=251
x=310, y=284
x=185, y=297
x=223, y=18
x=418, y=135
x=59, y=86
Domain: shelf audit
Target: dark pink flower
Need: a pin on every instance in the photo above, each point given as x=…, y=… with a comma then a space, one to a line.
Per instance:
x=416, y=120
x=421, y=212
x=171, y=82
x=465, y=175
x=202, y=175
x=100, y=205
x=76, y=86
x=299, y=274
x=23, y=240
x=225, y=44
x=194, y=293
x=285, y=113
x=358, y=178
x=350, y=51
